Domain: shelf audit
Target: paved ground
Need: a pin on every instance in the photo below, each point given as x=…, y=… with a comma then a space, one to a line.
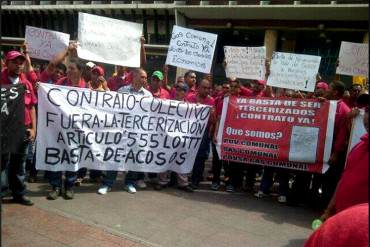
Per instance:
x=151, y=218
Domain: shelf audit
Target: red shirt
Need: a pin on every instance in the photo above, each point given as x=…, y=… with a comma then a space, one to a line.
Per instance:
x=350, y=228
x=32, y=77
x=209, y=100
x=64, y=81
x=116, y=82
x=47, y=78
x=192, y=91
x=161, y=93
x=250, y=93
x=30, y=99
x=353, y=187
x=341, y=132
x=173, y=92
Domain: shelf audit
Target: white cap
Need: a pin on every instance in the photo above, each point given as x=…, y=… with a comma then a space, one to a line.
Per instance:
x=90, y=64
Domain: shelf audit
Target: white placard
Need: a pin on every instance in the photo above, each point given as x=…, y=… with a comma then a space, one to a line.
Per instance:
x=294, y=71
x=116, y=131
x=353, y=59
x=191, y=49
x=43, y=43
x=245, y=62
x=108, y=40
x=358, y=130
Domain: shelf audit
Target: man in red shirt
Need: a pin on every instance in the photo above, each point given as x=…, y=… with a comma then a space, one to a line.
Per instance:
x=340, y=141
x=121, y=79
x=258, y=90
x=15, y=162
x=202, y=97
x=56, y=69
x=191, y=80
x=353, y=187
x=155, y=86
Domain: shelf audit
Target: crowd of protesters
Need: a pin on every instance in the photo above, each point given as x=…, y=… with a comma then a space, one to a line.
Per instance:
x=294, y=187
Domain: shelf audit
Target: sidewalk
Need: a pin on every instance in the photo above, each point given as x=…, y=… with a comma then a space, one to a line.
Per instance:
x=167, y=218
x=24, y=226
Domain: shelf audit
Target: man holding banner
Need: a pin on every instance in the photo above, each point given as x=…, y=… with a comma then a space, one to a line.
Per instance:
x=15, y=162
x=132, y=178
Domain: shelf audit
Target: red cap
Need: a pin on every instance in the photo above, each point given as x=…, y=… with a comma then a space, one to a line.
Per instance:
x=322, y=85
x=98, y=70
x=13, y=55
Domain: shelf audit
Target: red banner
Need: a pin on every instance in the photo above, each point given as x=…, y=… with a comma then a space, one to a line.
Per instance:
x=287, y=133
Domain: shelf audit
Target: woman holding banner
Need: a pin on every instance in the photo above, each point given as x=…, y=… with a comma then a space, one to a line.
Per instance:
x=73, y=79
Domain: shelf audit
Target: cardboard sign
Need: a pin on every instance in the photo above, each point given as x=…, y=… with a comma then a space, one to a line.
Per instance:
x=44, y=44
x=245, y=62
x=286, y=133
x=108, y=40
x=191, y=49
x=353, y=59
x=116, y=131
x=293, y=71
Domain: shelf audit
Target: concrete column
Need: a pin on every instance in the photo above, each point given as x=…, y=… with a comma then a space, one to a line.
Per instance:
x=366, y=38
x=270, y=42
x=180, y=21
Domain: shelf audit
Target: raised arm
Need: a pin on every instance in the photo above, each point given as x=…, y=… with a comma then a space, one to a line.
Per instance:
x=142, y=52
x=59, y=57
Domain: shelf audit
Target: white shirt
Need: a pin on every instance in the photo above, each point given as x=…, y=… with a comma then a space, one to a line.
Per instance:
x=129, y=89
x=14, y=80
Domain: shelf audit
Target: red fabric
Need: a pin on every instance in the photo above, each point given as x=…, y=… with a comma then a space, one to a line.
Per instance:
x=173, y=93
x=353, y=187
x=349, y=228
x=250, y=93
x=64, y=81
x=30, y=99
x=32, y=77
x=341, y=132
x=192, y=91
x=209, y=100
x=47, y=78
x=161, y=94
x=116, y=82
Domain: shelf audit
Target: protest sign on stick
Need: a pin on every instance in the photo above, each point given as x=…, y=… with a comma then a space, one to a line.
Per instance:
x=12, y=117
x=43, y=43
x=294, y=71
x=245, y=62
x=116, y=131
x=191, y=49
x=353, y=59
x=108, y=40
x=287, y=133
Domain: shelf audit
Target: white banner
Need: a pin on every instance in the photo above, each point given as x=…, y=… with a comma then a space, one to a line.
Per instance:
x=353, y=59
x=358, y=130
x=245, y=62
x=116, y=131
x=294, y=71
x=108, y=40
x=191, y=49
x=43, y=43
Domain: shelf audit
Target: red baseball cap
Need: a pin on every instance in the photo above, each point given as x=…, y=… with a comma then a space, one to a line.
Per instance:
x=322, y=85
x=98, y=70
x=11, y=55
